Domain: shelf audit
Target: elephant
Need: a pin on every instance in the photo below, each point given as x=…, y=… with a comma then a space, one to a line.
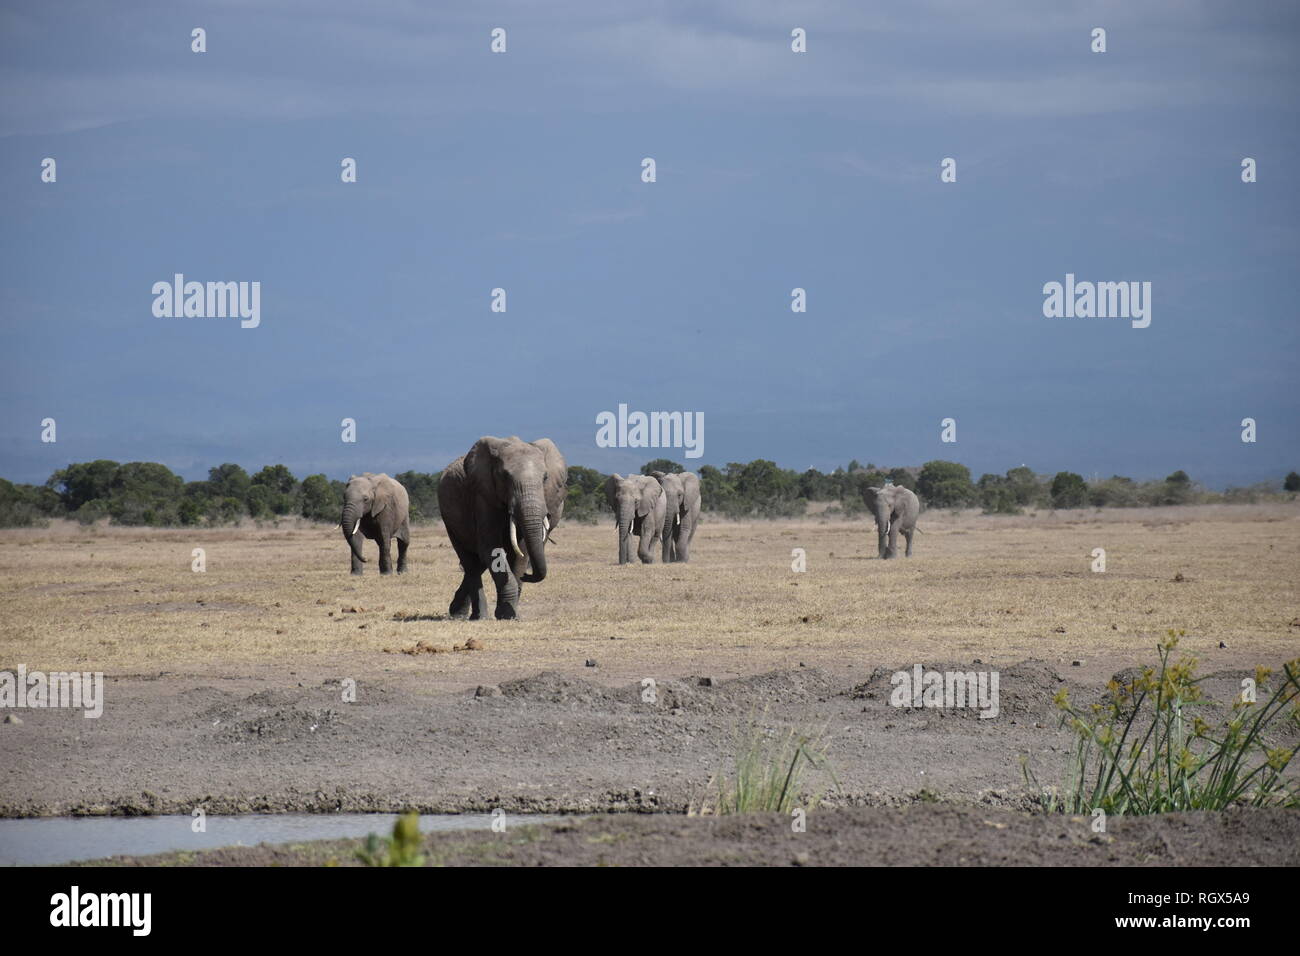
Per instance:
x=639, y=507
x=896, y=509
x=499, y=503
x=376, y=507
x=681, y=513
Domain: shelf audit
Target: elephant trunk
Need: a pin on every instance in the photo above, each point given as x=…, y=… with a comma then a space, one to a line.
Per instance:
x=351, y=524
x=624, y=516
x=532, y=522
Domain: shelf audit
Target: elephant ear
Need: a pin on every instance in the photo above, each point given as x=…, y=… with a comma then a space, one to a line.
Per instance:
x=611, y=489
x=690, y=484
x=557, y=479
x=651, y=491
x=481, y=464
x=383, y=494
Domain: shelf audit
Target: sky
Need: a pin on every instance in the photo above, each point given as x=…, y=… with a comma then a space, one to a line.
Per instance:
x=775, y=170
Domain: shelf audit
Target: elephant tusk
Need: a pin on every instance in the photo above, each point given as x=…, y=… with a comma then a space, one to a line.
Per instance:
x=546, y=524
x=677, y=518
x=355, y=526
x=514, y=541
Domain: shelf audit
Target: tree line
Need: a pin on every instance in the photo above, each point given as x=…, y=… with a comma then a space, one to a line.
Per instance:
x=150, y=494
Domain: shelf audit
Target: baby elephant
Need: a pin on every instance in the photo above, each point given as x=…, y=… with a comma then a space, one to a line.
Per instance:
x=639, y=508
x=896, y=509
x=376, y=507
x=682, y=513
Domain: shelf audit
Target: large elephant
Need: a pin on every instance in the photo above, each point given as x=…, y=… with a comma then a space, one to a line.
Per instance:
x=499, y=503
x=376, y=507
x=681, y=513
x=896, y=509
x=639, y=507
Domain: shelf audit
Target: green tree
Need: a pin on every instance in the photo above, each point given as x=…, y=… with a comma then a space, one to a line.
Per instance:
x=666, y=465
x=229, y=481
x=945, y=484
x=1025, y=486
x=21, y=506
x=422, y=489
x=145, y=493
x=997, y=495
x=901, y=476
x=320, y=501
x=1292, y=482
x=282, y=490
x=1069, y=490
x=80, y=483
x=259, y=501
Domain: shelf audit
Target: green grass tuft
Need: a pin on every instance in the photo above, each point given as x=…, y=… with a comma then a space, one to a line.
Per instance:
x=1144, y=750
x=772, y=772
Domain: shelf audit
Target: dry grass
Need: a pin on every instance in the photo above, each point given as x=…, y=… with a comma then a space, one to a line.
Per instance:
x=998, y=588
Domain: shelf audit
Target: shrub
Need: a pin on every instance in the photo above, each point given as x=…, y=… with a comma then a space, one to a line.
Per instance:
x=21, y=505
x=1144, y=750
x=403, y=848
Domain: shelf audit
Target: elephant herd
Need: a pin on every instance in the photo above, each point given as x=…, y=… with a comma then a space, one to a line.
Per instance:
x=659, y=508
x=500, y=500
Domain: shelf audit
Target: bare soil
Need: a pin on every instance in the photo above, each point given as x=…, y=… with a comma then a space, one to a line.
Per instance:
x=225, y=689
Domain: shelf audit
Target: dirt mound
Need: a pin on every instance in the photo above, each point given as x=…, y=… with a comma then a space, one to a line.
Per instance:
x=1025, y=690
x=554, y=688
x=280, y=726
x=799, y=686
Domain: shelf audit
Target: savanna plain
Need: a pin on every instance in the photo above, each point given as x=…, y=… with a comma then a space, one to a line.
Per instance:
x=229, y=689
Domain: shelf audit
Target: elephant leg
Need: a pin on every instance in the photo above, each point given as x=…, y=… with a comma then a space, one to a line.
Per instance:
x=385, y=554
x=507, y=595
x=357, y=566
x=403, y=542
x=908, y=535
x=468, y=598
x=460, y=601
x=891, y=550
x=643, y=549
x=880, y=542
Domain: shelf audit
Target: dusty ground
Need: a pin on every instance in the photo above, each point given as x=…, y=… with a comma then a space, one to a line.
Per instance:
x=919, y=835
x=224, y=688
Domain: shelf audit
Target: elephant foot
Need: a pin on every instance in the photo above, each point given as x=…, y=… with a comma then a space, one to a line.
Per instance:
x=401, y=569
x=382, y=571
x=505, y=612
x=357, y=572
